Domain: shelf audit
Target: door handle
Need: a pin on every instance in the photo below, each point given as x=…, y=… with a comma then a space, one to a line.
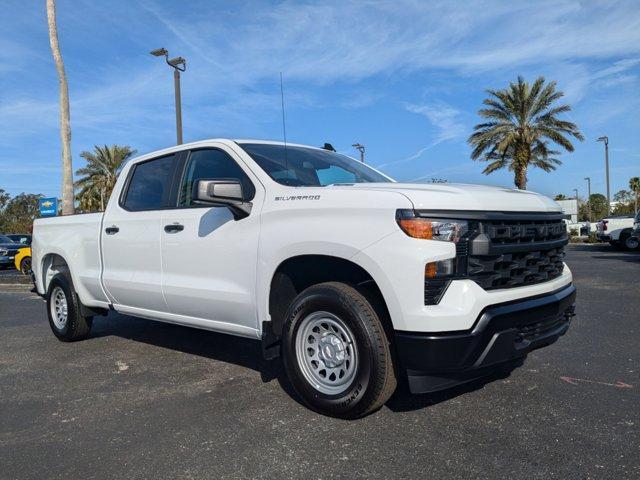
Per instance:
x=111, y=230
x=173, y=228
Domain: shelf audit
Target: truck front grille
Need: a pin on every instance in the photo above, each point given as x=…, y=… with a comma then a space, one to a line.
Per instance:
x=509, y=253
x=516, y=269
x=505, y=250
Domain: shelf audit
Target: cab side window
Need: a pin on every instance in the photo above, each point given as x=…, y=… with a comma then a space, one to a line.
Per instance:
x=150, y=185
x=211, y=164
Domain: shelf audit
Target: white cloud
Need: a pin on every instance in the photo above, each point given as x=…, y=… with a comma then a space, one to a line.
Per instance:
x=338, y=41
x=443, y=117
x=235, y=53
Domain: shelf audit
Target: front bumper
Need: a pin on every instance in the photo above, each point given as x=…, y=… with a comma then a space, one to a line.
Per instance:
x=7, y=260
x=501, y=335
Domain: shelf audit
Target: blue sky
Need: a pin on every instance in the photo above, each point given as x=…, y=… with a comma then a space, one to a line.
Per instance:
x=405, y=78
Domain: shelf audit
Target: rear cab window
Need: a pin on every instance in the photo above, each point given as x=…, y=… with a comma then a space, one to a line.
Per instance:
x=149, y=185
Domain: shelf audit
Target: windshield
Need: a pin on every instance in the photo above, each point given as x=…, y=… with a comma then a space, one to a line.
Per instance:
x=4, y=239
x=309, y=167
x=24, y=239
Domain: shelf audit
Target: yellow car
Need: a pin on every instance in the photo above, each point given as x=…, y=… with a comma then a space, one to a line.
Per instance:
x=23, y=260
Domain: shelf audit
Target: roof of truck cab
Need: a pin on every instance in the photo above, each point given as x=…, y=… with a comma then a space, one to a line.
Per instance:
x=205, y=141
x=241, y=141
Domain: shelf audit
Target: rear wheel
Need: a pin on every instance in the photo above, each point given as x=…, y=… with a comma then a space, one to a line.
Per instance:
x=64, y=311
x=25, y=266
x=336, y=352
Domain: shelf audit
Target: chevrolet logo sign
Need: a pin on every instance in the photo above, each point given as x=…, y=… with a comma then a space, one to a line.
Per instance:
x=47, y=203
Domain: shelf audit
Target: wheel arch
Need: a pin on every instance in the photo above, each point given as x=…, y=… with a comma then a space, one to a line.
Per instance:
x=296, y=273
x=51, y=265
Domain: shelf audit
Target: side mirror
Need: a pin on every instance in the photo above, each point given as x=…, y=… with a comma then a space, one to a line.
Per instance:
x=226, y=192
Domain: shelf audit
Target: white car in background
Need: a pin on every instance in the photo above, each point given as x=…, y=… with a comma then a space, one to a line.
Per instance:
x=617, y=230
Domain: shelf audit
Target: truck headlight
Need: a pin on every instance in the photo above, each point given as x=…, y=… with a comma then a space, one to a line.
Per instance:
x=443, y=229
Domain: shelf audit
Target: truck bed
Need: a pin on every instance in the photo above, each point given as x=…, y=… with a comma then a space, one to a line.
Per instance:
x=76, y=238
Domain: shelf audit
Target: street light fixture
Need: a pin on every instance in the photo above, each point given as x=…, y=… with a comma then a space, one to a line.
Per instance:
x=605, y=139
x=178, y=64
x=588, y=179
x=360, y=148
x=159, y=52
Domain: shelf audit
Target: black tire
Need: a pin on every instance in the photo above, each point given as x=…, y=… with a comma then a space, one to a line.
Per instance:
x=629, y=241
x=25, y=266
x=373, y=379
x=76, y=326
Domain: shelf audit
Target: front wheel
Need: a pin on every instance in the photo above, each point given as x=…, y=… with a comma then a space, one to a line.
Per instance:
x=336, y=352
x=64, y=311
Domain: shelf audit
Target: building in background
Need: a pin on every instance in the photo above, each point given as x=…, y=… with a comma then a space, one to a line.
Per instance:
x=570, y=207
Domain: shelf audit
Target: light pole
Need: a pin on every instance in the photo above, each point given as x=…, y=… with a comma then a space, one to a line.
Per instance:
x=588, y=179
x=178, y=64
x=605, y=139
x=360, y=148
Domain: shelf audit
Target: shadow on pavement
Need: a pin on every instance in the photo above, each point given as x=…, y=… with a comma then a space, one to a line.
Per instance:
x=625, y=258
x=405, y=401
x=600, y=247
x=248, y=353
x=221, y=347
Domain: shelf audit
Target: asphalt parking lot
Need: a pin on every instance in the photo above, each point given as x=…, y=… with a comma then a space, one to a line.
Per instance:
x=142, y=399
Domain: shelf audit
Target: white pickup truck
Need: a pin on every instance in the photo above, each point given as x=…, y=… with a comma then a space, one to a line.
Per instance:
x=618, y=231
x=354, y=279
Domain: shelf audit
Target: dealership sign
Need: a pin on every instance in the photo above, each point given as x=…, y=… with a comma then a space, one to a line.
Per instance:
x=48, y=207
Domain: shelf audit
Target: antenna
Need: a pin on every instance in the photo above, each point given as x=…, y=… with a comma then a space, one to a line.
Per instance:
x=284, y=126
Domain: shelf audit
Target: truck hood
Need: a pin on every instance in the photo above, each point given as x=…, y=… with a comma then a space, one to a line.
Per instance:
x=450, y=196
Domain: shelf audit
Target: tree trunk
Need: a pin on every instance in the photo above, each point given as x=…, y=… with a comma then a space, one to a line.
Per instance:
x=521, y=162
x=65, y=128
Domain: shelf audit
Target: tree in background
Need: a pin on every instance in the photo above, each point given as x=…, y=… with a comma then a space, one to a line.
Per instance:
x=625, y=203
x=634, y=185
x=99, y=176
x=560, y=196
x=598, y=208
x=4, y=198
x=18, y=213
x=65, y=127
x=522, y=120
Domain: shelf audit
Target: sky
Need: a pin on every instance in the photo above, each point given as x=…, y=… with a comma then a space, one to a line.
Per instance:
x=404, y=78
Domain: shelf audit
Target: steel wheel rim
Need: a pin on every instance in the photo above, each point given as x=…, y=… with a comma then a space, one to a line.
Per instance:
x=58, y=307
x=632, y=242
x=327, y=353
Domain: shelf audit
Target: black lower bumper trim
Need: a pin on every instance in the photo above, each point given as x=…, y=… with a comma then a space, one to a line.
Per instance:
x=502, y=334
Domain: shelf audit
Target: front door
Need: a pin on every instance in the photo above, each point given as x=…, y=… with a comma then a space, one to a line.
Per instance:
x=209, y=259
x=131, y=235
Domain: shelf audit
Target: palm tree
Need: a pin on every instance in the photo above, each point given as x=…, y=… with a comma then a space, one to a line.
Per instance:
x=65, y=128
x=522, y=120
x=99, y=175
x=634, y=185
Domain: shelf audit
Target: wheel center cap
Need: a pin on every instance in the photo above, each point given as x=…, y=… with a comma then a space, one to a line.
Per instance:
x=332, y=351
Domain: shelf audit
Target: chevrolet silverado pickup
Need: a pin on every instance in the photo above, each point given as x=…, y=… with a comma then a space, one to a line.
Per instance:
x=618, y=231
x=354, y=280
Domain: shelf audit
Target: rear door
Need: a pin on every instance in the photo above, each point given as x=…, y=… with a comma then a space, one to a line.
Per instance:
x=131, y=235
x=209, y=259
